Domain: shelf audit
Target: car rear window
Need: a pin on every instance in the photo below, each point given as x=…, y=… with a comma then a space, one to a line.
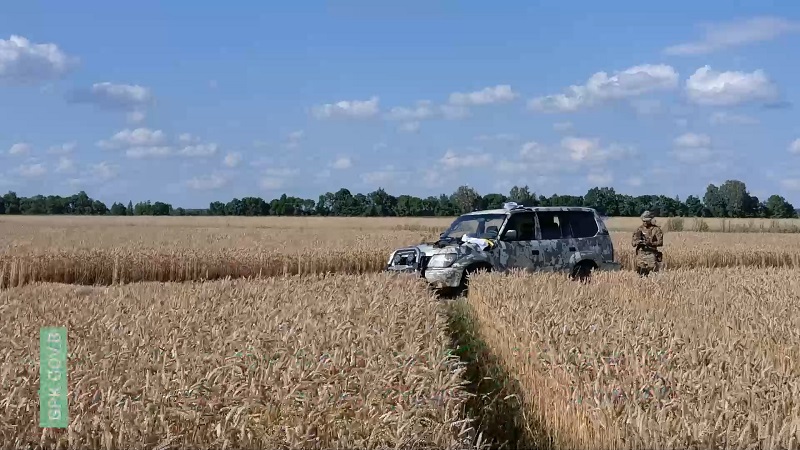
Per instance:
x=582, y=223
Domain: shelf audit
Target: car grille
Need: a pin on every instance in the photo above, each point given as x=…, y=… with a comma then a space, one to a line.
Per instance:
x=409, y=259
x=425, y=260
x=405, y=257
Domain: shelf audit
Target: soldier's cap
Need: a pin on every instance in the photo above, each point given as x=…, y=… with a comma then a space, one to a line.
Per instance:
x=647, y=216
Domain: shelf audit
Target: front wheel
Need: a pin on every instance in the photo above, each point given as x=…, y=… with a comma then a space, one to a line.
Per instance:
x=463, y=286
x=582, y=272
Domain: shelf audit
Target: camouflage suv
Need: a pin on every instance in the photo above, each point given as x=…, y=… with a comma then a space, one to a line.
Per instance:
x=538, y=239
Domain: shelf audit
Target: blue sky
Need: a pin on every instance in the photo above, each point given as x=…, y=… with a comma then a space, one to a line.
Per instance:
x=164, y=101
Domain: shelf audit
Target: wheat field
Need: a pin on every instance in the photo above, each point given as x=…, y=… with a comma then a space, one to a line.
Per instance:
x=220, y=332
x=107, y=250
x=699, y=359
x=340, y=361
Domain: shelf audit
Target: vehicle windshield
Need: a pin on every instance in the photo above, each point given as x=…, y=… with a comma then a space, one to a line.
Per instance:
x=485, y=226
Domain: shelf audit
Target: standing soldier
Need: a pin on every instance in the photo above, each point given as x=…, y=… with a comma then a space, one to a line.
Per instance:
x=646, y=240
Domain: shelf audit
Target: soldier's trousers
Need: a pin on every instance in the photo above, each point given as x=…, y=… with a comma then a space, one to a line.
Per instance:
x=647, y=261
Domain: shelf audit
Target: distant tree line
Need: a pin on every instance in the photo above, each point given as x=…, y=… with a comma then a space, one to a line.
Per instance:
x=730, y=199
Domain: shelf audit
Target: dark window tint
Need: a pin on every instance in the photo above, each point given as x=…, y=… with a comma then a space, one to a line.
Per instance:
x=524, y=224
x=551, y=225
x=582, y=223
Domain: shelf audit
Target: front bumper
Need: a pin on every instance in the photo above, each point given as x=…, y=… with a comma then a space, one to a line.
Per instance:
x=406, y=260
x=437, y=278
x=411, y=260
x=449, y=277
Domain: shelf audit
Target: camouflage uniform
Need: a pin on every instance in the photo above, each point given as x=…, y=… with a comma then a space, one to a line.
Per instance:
x=646, y=239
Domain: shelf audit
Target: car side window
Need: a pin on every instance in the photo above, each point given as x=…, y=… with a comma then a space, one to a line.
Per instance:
x=525, y=226
x=582, y=223
x=553, y=225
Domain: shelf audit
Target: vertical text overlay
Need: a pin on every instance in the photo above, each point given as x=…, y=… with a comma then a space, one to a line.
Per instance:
x=53, y=408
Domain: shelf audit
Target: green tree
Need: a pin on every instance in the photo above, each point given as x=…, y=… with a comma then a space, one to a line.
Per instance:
x=604, y=200
x=465, y=199
x=777, y=207
x=12, y=203
x=694, y=207
x=715, y=202
x=736, y=200
x=161, y=209
x=216, y=209
x=493, y=201
x=522, y=195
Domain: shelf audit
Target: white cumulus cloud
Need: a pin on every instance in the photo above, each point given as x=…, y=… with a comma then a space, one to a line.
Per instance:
x=453, y=160
x=143, y=142
x=139, y=137
x=232, y=159
x=378, y=177
x=187, y=138
x=276, y=178
x=794, y=147
x=95, y=174
x=342, y=163
x=600, y=177
x=271, y=183
x=110, y=95
x=62, y=149
x=156, y=151
x=200, y=150
x=712, y=88
x=590, y=150
x=210, y=182
x=724, y=118
x=409, y=127
x=501, y=93
x=692, y=140
x=355, y=109
x=135, y=117
x=103, y=171
x=499, y=137
x=453, y=112
x=579, y=148
x=570, y=155
x=735, y=33
x=424, y=109
x=65, y=165
x=32, y=170
x=634, y=181
x=601, y=87
x=562, y=126
x=23, y=62
x=692, y=148
x=791, y=184
x=294, y=138
x=20, y=148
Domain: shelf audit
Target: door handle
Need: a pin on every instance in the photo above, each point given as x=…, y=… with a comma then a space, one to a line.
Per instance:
x=572, y=249
x=535, y=252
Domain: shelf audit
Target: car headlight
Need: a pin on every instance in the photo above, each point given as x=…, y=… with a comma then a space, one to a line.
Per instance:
x=442, y=260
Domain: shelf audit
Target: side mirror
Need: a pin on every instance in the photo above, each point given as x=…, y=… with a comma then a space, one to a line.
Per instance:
x=510, y=235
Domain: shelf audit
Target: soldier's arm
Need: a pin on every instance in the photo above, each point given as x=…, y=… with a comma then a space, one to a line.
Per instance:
x=637, y=237
x=658, y=238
